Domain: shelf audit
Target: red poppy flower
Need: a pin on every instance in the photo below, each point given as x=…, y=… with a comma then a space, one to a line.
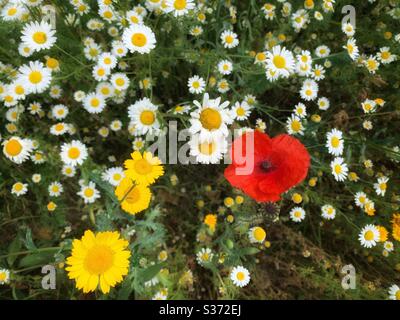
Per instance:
x=269, y=169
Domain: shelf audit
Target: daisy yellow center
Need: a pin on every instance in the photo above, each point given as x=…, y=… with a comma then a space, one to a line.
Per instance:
x=133, y=196
x=207, y=148
x=60, y=112
x=59, y=127
x=12, y=11
x=74, y=153
x=398, y=295
x=350, y=48
x=143, y=167
x=385, y=55
x=101, y=72
x=210, y=119
x=134, y=19
x=229, y=39
x=18, y=187
x=52, y=63
x=105, y=91
x=335, y=142
x=279, y=62
x=147, y=117
x=196, y=84
x=240, y=276
x=19, y=90
x=120, y=82
x=297, y=214
x=108, y=14
x=99, y=259
x=180, y=4
x=240, y=111
x=35, y=77
x=383, y=186
x=39, y=37
x=95, y=102
x=139, y=39
x=259, y=234
x=205, y=256
x=308, y=92
x=13, y=147
x=296, y=125
x=298, y=19
x=55, y=189
x=107, y=60
x=3, y=276
x=338, y=169
x=261, y=56
x=117, y=176
x=371, y=64
x=89, y=192
x=369, y=235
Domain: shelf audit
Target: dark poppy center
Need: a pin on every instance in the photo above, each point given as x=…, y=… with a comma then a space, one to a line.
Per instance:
x=266, y=166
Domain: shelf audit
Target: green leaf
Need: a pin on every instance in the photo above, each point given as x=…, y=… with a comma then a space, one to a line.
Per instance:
x=36, y=259
x=150, y=272
x=14, y=246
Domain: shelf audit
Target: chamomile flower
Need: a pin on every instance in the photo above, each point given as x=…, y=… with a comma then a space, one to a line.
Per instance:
x=368, y=106
x=196, y=84
x=369, y=236
x=381, y=186
x=118, y=49
x=385, y=56
x=196, y=31
x=116, y=125
x=280, y=61
x=38, y=36
x=225, y=67
x=229, y=39
x=339, y=169
x=17, y=149
x=260, y=57
x=12, y=11
x=328, y=212
x=100, y=73
x=257, y=235
x=309, y=90
x=223, y=86
x=300, y=110
x=210, y=151
x=120, y=81
x=388, y=246
x=133, y=17
x=138, y=144
x=55, y=189
x=24, y=50
x=105, y=89
x=323, y=103
x=334, y=142
x=394, y=292
x=68, y=171
x=19, y=189
x=352, y=48
x=59, y=129
x=318, y=72
x=297, y=214
x=143, y=115
x=139, y=38
x=89, y=193
x=179, y=7
x=107, y=60
x=36, y=76
x=204, y=256
x=241, y=110
x=210, y=119
x=73, y=153
x=94, y=103
x=240, y=276
x=4, y=276
x=59, y=111
x=322, y=51
x=372, y=64
x=348, y=29
x=113, y=175
x=294, y=125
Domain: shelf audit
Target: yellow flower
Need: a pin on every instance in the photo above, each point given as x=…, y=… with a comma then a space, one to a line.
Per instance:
x=229, y=202
x=297, y=198
x=144, y=169
x=133, y=198
x=211, y=221
x=383, y=234
x=98, y=259
x=51, y=206
x=396, y=232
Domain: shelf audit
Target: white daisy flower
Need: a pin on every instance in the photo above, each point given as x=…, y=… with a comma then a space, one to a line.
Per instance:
x=4, y=276
x=294, y=125
x=369, y=106
x=388, y=246
x=323, y=103
x=241, y=110
x=143, y=115
x=352, y=48
x=318, y=72
x=328, y=212
x=229, y=39
x=208, y=152
x=381, y=186
x=223, y=86
x=394, y=292
x=100, y=73
x=309, y=90
x=240, y=276
x=35, y=76
x=369, y=236
x=73, y=153
x=334, y=142
x=372, y=64
x=94, y=103
x=17, y=149
x=179, y=7
x=196, y=84
x=385, y=56
x=210, y=119
x=225, y=67
x=280, y=61
x=68, y=171
x=297, y=214
x=55, y=189
x=322, y=51
x=348, y=29
x=139, y=38
x=360, y=199
x=107, y=60
x=38, y=36
x=12, y=11
x=19, y=189
x=59, y=129
x=59, y=111
x=118, y=49
x=133, y=17
x=89, y=193
x=105, y=89
x=116, y=125
x=204, y=256
x=113, y=175
x=300, y=110
x=24, y=50
x=120, y=81
x=257, y=235
x=339, y=169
